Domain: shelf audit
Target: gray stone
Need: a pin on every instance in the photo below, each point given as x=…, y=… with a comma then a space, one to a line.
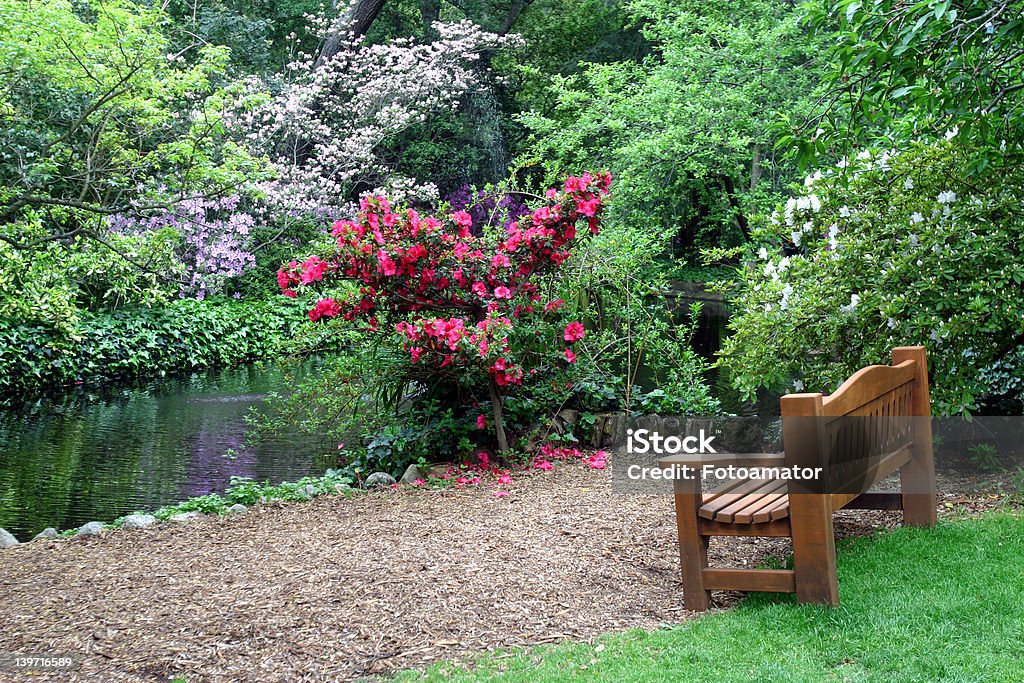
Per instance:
x=237, y=509
x=342, y=488
x=310, y=490
x=379, y=479
x=7, y=539
x=184, y=517
x=47, y=534
x=90, y=529
x=412, y=473
x=138, y=521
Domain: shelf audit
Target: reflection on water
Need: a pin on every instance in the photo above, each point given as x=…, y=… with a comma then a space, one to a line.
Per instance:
x=99, y=455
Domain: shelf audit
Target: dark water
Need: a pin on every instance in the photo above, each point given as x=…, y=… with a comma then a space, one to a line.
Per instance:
x=710, y=331
x=99, y=455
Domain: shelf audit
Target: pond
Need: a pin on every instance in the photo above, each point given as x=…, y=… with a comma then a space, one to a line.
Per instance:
x=99, y=454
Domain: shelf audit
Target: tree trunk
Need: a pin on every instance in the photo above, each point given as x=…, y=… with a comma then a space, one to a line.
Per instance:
x=737, y=206
x=356, y=21
x=499, y=424
x=755, y=168
x=430, y=11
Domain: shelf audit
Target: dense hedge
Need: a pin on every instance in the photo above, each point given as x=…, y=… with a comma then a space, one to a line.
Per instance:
x=141, y=342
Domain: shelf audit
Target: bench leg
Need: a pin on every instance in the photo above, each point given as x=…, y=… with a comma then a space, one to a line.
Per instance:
x=814, y=549
x=693, y=553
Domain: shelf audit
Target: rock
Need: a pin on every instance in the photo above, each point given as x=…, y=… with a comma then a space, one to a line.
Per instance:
x=379, y=479
x=90, y=529
x=412, y=473
x=342, y=488
x=310, y=490
x=184, y=517
x=7, y=539
x=237, y=509
x=137, y=521
x=47, y=534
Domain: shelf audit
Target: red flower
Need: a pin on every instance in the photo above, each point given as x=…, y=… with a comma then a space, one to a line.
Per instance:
x=574, y=332
x=481, y=422
x=325, y=308
x=570, y=356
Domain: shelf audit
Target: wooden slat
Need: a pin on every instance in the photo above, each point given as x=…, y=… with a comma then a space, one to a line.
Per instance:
x=713, y=504
x=763, y=513
x=728, y=513
x=770, y=580
x=777, y=510
x=728, y=487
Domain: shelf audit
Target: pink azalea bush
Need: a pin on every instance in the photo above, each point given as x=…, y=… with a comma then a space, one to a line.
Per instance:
x=452, y=300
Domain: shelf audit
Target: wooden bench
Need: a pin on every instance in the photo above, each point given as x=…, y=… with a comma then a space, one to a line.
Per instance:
x=814, y=434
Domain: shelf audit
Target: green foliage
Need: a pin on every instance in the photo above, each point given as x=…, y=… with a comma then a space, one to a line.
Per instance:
x=142, y=342
x=892, y=250
x=908, y=69
x=687, y=131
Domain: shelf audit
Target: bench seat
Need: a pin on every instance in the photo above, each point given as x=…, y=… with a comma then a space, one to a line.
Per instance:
x=746, y=501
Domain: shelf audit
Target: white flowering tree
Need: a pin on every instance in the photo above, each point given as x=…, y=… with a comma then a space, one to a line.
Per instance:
x=887, y=250
x=325, y=127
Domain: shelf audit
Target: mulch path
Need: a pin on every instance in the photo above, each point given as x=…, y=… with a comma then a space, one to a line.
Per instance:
x=341, y=588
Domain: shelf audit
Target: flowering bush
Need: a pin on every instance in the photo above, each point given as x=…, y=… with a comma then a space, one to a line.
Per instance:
x=455, y=302
x=890, y=249
x=215, y=240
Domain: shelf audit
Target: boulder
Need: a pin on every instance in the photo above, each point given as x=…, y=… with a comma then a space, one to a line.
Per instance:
x=380, y=479
x=310, y=490
x=237, y=509
x=47, y=534
x=137, y=521
x=342, y=488
x=184, y=517
x=7, y=539
x=412, y=473
x=90, y=529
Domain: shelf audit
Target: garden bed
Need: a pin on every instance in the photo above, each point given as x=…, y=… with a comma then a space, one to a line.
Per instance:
x=344, y=587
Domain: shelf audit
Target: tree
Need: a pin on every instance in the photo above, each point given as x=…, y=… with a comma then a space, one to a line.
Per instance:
x=689, y=129
x=449, y=297
x=910, y=70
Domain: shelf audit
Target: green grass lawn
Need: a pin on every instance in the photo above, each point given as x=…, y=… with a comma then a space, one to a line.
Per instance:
x=942, y=604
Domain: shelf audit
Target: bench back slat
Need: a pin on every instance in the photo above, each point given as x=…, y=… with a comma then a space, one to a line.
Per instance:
x=852, y=431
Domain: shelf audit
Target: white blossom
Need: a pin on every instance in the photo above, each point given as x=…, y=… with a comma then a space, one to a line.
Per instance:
x=854, y=302
x=947, y=197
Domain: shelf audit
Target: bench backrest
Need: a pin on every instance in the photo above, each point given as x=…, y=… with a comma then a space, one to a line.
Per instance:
x=854, y=432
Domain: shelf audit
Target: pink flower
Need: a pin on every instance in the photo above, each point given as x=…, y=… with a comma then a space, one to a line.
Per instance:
x=502, y=292
x=570, y=356
x=462, y=219
x=325, y=308
x=481, y=422
x=574, y=332
x=543, y=465
x=588, y=207
x=479, y=288
x=505, y=480
x=485, y=460
x=597, y=461
x=500, y=494
x=385, y=264
x=419, y=482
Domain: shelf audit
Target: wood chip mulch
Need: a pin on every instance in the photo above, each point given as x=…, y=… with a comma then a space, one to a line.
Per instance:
x=343, y=588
